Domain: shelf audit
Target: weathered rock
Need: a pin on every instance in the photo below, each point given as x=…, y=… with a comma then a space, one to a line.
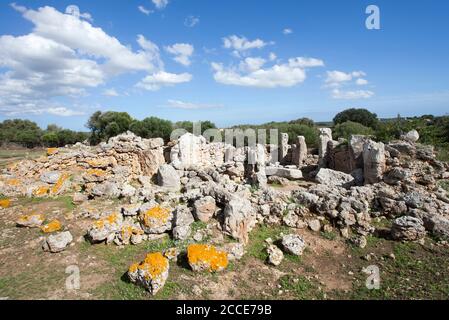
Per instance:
x=275, y=255
x=204, y=208
x=235, y=251
x=283, y=150
x=31, y=220
x=167, y=177
x=202, y=257
x=182, y=219
x=150, y=273
x=330, y=177
x=105, y=228
x=293, y=244
x=156, y=219
x=50, y=177
x=299, y=152
x=283, y=172
x=106, y=189
x=408, y=228
x=239, y=218
x=397, y=175
x=314, y=225
x=325, y=137
x=79, y=198
x=411, y=136
x=57, y=242
x=373, y=161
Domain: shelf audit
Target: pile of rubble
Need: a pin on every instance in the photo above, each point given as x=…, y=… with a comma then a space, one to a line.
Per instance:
x=343, y=186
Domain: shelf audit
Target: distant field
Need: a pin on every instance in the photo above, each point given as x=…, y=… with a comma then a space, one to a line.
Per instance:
x=8, y=156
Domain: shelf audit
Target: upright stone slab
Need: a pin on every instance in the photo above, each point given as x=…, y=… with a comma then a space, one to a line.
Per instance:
x=325, y=137
x=283, y=150
x=299, y=152
x=374, y=161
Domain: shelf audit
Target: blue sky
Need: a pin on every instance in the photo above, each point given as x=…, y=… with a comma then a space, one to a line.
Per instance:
x=228, y=61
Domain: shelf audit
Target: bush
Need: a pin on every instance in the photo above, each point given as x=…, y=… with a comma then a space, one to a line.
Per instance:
x=348, y=128
x=152, y=127
x=108, y=124
x=362, y=116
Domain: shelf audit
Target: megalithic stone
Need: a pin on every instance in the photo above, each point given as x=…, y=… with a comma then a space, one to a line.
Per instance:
x=373, y=161
x=299, y=151
x=325, y=137
x=283, y=150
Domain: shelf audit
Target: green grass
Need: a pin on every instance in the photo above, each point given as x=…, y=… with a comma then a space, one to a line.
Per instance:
x=444, y=184
x=300, y=287
x=257, y=245
x=329, y=235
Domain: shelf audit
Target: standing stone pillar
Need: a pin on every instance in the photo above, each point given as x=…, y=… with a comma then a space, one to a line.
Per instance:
x=299, y=152
x=325, y=137
x=283, y=150
x=373, y=161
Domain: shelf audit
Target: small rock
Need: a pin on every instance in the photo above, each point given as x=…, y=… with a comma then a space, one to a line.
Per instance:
x=275, y=255
x=58, y=242
x=293, y=244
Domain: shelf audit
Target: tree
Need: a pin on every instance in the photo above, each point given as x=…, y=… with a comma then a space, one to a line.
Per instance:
x=152, y=127
x=108, y=124
x=362, y=116
x=303, y=121
x=50, y=139
x=348, y=128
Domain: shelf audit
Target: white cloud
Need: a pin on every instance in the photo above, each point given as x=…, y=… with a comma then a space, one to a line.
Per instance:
x=110, y=92
x=160, y=4
x=75, y=11
x=182, y=52
x=191, y=21
x=242, y=44
x=336, y=77
x=287, y=31
x=64, y=55
x=251, y=74
x=163, y=79
x=272, y=56
x=64, y=112
x=190, y=106
x=302, y=62
x=144, y=10
x=361, y=82
x=351, y=95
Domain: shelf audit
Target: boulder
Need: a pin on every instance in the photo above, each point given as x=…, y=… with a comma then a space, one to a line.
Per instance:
x=156, y=219
x=31, y=220
x=373, y=161
x=239, y=218
x=168, y=177
x=411, y=136
x=275, y=255
x=204, y=208
x=203, y=257
x=50, y=177
x=150, y=273
x=334, y=178
x=57, y=242
x=293, y=244
x=283, y=172
x=182, y=219
x=105, y=228
x=408, y=228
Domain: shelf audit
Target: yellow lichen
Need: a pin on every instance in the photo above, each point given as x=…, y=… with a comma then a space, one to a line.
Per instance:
x=53, y=226
x=208, y=255
x=153, y=265
x=13, y=182
x=128, y=231
x=133, y=268
x=58, y=185
x=96, y=172
x=5, y=203
x=157, y=213
x=26, y=218
x=98, y=163
x=41, y=191
x=52, y=151
x=111, y=219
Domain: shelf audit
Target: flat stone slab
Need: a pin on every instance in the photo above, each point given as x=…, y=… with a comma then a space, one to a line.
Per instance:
x=284, y=172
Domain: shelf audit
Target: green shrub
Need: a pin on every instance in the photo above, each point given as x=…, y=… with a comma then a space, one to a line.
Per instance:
x=348, y=128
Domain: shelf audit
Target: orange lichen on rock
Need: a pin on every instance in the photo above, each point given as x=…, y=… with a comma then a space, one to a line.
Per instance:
x=158, y=214
x=128, y=231
x=153, y=265
x=52, y=226
x=58, y=185
x=111, y=219
x=5, y=203
x=99, y=163
x=206, y=257
x=31, y=220
x=41, y=191
x=96, y=172
x=52, y=151
x=13, y=182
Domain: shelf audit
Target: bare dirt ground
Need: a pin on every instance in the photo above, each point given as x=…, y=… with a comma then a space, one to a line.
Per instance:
x=330, y=267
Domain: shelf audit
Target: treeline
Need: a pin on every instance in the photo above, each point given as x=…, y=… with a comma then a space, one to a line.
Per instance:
x=28, y=134
x=104, y=125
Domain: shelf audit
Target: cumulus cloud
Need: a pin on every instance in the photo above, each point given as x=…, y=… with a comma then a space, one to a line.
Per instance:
x=177, y=104
x=242, y=44
x=144, y=10
x=163, y=79
x=351, y=95
x=272, y=56
x=191, y=21
x=338, y=79
x=64, y=55
x=75, y=11
x=182, y=52
x=160, y=4
x=287, y=31
x=250, y=73
x=110, y=92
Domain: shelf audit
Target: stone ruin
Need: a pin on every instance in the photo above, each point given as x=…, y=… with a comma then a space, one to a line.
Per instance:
x=166, y=187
